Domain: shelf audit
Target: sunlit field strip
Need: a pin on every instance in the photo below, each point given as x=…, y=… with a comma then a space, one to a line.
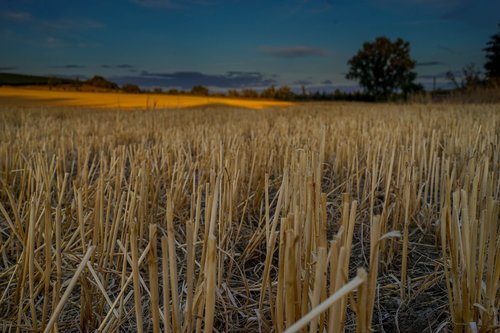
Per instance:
x=45, y=97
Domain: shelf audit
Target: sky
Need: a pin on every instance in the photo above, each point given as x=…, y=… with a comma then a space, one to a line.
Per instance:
x=227, y=44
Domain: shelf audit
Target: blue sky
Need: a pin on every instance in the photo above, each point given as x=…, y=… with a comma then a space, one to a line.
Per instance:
x=232, y=44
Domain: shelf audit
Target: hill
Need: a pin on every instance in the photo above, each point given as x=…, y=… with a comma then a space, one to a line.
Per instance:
x=10, y=79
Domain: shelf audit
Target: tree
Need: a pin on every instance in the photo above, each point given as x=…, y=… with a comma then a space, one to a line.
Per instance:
x=233, y=93
x=100, y=82
x=131, y=88
x=492, y=65
x=249, y=93
x=284, y=93
x=199, y=90
x=54, y=81
x=268, y=92
x=470, y=77
x=383, y=68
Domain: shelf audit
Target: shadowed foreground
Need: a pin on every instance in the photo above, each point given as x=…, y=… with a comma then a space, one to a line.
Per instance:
x=243, y=220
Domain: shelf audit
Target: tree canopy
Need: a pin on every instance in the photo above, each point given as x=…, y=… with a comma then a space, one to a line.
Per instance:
x=100, y=82
x=383, y=67
x=492, y=49
x=131, y=88
x=199, y=90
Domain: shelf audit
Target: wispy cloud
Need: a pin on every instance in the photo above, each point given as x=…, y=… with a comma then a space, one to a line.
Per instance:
x=121, y=66
x=293, y=51
x=429, y=63
x=185, y=80
x=70, y=66
x=302, y=82
x=17, y=16
x=52, y=24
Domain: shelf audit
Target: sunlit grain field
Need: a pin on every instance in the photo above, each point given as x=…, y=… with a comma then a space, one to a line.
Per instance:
x=334, y=217
x=36, y=97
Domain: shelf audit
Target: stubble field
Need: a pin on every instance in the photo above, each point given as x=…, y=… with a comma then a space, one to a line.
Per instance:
x=237, y=220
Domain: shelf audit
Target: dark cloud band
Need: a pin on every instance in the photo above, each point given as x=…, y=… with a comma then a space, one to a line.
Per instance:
x=185, y=80
x=293, y=51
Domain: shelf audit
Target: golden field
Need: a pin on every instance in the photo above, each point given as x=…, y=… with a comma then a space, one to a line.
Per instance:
x=31, y=97
x=314, y=217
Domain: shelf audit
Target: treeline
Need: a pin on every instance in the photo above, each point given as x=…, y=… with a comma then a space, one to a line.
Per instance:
x=282, y=93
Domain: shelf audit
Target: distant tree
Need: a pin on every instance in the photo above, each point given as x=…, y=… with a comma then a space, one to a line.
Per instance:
x=337, y=94
x=233, y=93
x=76, y=83
x=249, y=93
x=131, y=88
x=54, y=82
x=199, y=90
x=492, y=65
x=100, y=82
x=383, y=67
x=173, y=91
x=157, y=91
x=470, y=77
x=284, y=93
x=268, y=92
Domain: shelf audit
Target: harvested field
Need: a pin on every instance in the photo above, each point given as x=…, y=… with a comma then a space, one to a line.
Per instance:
x=382, y=217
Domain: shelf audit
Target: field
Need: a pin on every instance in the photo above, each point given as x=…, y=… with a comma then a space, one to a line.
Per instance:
x=32, y=97
x=350, y=216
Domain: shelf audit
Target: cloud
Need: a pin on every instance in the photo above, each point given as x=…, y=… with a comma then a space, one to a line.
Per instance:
x=293, y=51
x=70, y=66
x=327, y=82
x=429, y=63
x=302, y=82
x=2, y=69
x=55, y=24
x=185, y=80
x=17, y=16
x=121, y=66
